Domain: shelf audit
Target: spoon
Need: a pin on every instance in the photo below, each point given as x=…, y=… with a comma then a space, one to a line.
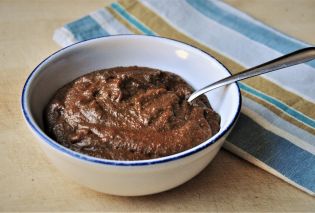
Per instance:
x=297, y=57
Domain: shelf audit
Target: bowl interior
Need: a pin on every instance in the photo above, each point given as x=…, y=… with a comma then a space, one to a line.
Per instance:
x=196, y=67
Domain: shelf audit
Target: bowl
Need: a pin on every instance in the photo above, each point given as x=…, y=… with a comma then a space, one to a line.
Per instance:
x=129, y=178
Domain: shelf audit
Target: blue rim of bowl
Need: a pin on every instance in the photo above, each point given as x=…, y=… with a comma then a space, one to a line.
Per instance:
x=91, y=159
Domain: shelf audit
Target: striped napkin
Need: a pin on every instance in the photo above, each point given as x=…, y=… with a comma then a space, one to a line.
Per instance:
x=276, y=129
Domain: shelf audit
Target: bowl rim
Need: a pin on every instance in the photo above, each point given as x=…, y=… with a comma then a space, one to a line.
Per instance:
x=79, y=156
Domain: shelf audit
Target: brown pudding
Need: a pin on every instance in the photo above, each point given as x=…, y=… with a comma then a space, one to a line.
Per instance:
x=129, y=113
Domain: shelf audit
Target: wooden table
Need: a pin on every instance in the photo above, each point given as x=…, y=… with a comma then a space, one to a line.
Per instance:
x=28, y=181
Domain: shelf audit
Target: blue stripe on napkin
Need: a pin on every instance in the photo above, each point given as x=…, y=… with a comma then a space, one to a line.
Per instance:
x=275, y=151
x=85, y=28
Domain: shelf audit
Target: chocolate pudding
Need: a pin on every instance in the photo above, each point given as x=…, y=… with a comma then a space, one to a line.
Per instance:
x=129, y=113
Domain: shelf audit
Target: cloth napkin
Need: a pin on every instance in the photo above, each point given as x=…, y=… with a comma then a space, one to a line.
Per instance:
x=276, y=129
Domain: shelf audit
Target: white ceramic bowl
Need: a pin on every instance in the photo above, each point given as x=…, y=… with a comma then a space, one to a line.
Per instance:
x=129, y=178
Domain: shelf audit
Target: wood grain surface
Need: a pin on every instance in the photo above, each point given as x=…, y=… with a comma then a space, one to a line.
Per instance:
x=28, y=181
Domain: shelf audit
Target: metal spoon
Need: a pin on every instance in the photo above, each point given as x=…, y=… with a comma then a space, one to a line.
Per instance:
x=297, y=57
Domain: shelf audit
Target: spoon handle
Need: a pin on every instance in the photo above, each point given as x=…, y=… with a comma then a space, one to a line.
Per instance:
x=297, y=57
